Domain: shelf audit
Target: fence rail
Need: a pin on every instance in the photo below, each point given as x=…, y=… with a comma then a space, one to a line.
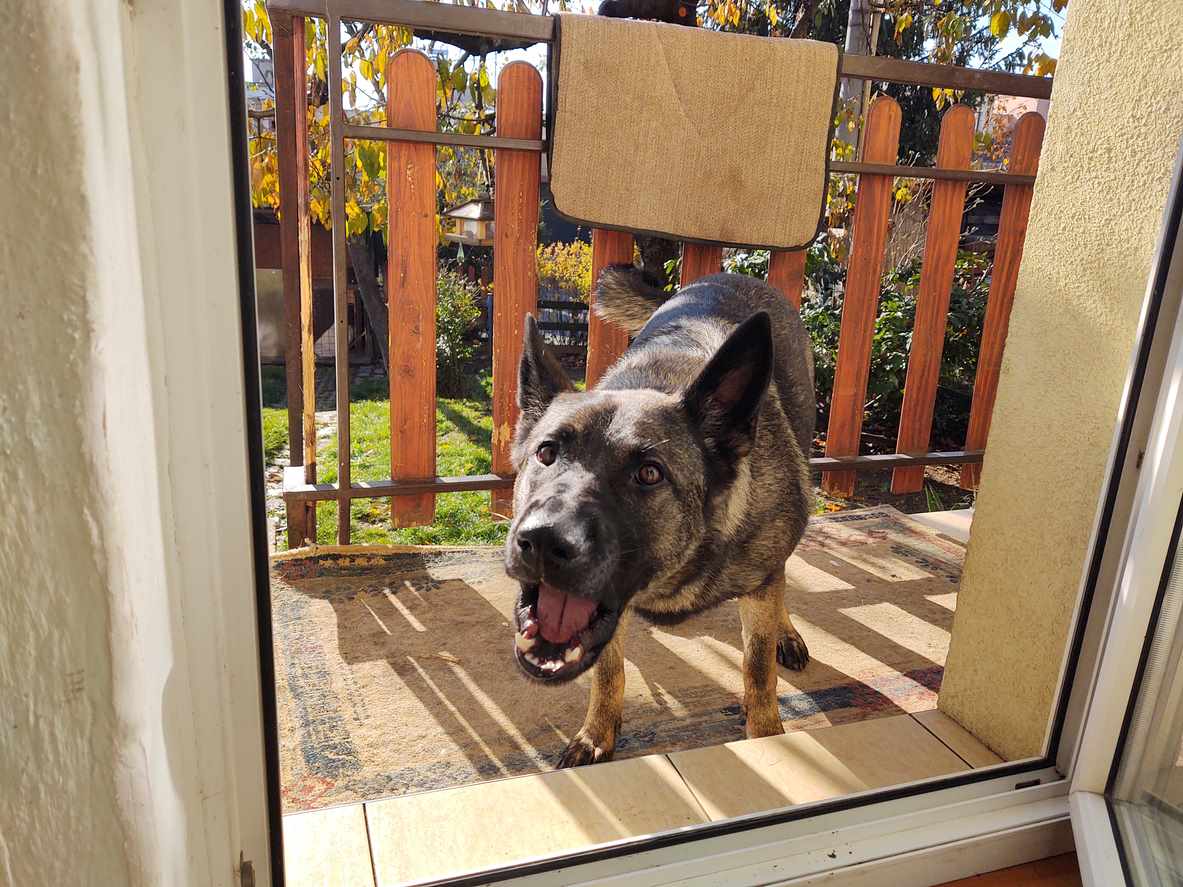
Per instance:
x=517, y=146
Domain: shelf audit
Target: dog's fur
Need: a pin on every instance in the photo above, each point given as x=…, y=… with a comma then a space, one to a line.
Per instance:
x=716, y=391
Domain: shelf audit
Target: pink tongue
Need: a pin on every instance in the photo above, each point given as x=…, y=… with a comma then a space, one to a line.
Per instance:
x=562, y=616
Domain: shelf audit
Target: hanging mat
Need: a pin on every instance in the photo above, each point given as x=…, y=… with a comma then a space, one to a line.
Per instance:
x=691, y=134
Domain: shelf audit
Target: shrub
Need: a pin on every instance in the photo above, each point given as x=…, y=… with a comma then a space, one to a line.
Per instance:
x=892, y=341
x=457, y=308
x=566, y=267
x=822, y=313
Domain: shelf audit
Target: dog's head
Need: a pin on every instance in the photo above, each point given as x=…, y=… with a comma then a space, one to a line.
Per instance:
x=617, y=487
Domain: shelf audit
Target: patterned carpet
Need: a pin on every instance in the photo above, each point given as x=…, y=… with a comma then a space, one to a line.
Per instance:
x=394, y=672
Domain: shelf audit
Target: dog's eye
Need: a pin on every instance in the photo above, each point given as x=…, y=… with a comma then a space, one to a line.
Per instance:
x=649, y=474
x=546, y=454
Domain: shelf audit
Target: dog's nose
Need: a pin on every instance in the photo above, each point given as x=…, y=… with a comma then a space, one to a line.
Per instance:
x=545, y=545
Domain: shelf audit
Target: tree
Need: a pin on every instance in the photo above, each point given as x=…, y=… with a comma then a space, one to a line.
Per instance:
x=465, y=100
x=465, y=94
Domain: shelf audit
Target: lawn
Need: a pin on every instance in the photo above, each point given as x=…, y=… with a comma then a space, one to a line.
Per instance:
x=464, y=429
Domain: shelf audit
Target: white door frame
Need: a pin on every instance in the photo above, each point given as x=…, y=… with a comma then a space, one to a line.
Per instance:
x=174, y=441
x=1145, y=552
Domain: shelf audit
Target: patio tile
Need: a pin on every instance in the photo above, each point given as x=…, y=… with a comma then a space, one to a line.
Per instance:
x=327, y=848
x=467, y=829
x=753, y=775
x=961, y=741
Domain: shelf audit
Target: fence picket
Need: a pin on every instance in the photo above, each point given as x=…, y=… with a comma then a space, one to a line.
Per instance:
x=1008, y=252
x=699, y=261
x=410, y=284
x=515, y=264
x=296, y=261
x=605, y=341
x=786, y=272
x=932, y=299
x=864, y=271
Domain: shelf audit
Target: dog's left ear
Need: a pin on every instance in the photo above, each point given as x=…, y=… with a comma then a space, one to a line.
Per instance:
x=725, y=398
x=540, y=377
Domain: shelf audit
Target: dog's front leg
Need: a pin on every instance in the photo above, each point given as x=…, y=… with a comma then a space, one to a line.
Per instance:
x=596, y=740
x=761, y=613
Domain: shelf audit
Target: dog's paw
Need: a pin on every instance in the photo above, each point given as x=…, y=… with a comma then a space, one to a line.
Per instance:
x=765, y=721
x=584, y=750
x=791, y=651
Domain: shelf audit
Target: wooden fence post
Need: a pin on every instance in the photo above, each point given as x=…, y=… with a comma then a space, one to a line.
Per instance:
x=1008, y=252
x=861, y=302
x=410, y=283
x=699, y=261
x=786, y=272
x=291, y=131
x=605, y=341
x=932, y=300
x=515, y=261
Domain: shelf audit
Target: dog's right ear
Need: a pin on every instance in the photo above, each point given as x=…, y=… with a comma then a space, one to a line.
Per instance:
x=725, y=399
x=540, y=378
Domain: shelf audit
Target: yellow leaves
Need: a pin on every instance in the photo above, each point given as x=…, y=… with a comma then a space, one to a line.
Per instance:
x=378, y=216
x=357, y=221
x=1000, y=23
x=366, y=67
x=1045, y=65
x=318, y=209
x=567, y=267
x=943, y=97
x=724, y=12
x=902, y=24
x=256, y=24
x=773, y=17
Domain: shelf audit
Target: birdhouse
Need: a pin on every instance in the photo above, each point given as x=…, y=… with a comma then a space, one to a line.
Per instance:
x=471, y=223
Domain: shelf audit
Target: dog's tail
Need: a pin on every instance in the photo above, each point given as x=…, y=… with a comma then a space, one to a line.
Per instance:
x=626, y=297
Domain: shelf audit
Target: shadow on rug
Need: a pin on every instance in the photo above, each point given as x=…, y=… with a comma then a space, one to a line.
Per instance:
x=395, y=675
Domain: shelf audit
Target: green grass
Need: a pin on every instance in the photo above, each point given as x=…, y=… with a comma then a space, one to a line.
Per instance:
x=464, y=430
x=275, y=433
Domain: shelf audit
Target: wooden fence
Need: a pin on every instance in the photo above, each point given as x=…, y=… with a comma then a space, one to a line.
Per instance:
x=411, y=134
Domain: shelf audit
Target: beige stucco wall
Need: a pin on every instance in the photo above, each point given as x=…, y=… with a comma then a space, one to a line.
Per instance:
x=60, y=822
x=1113, y=130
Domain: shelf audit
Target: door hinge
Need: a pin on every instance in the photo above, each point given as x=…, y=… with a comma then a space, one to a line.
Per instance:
x=246, y=871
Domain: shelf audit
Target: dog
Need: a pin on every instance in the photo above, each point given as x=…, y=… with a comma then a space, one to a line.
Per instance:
x=679, y=482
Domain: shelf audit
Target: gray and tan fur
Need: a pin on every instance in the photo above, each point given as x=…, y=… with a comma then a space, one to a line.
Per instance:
x=715, y=398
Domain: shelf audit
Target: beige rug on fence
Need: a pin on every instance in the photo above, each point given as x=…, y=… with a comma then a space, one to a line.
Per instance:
x=394, y=672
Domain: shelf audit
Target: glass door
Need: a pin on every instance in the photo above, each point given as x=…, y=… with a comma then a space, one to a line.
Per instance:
x=1146, y=795
x=1127, y=780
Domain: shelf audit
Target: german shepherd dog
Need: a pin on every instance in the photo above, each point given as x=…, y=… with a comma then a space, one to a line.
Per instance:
x=679, y=482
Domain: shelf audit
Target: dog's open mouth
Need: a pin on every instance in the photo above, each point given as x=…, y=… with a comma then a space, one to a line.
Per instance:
x=559, y=635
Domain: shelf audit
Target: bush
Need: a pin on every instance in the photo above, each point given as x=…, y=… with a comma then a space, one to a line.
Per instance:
x=457, y=308
x=566, y=267
x=822, y=313
x=892, y=341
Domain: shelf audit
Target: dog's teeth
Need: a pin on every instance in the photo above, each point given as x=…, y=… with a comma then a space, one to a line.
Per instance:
x=524, y=643
x=533, y=660
x=573, y=654
x=553, y=665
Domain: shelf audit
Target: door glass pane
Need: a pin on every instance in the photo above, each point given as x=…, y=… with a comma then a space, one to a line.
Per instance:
x=1147, y=792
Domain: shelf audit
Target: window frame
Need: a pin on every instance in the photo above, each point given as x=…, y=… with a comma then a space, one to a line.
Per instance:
x=955, y=825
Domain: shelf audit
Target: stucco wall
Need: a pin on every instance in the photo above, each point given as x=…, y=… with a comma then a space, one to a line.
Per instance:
x=59, y=818
x=1113, y=131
